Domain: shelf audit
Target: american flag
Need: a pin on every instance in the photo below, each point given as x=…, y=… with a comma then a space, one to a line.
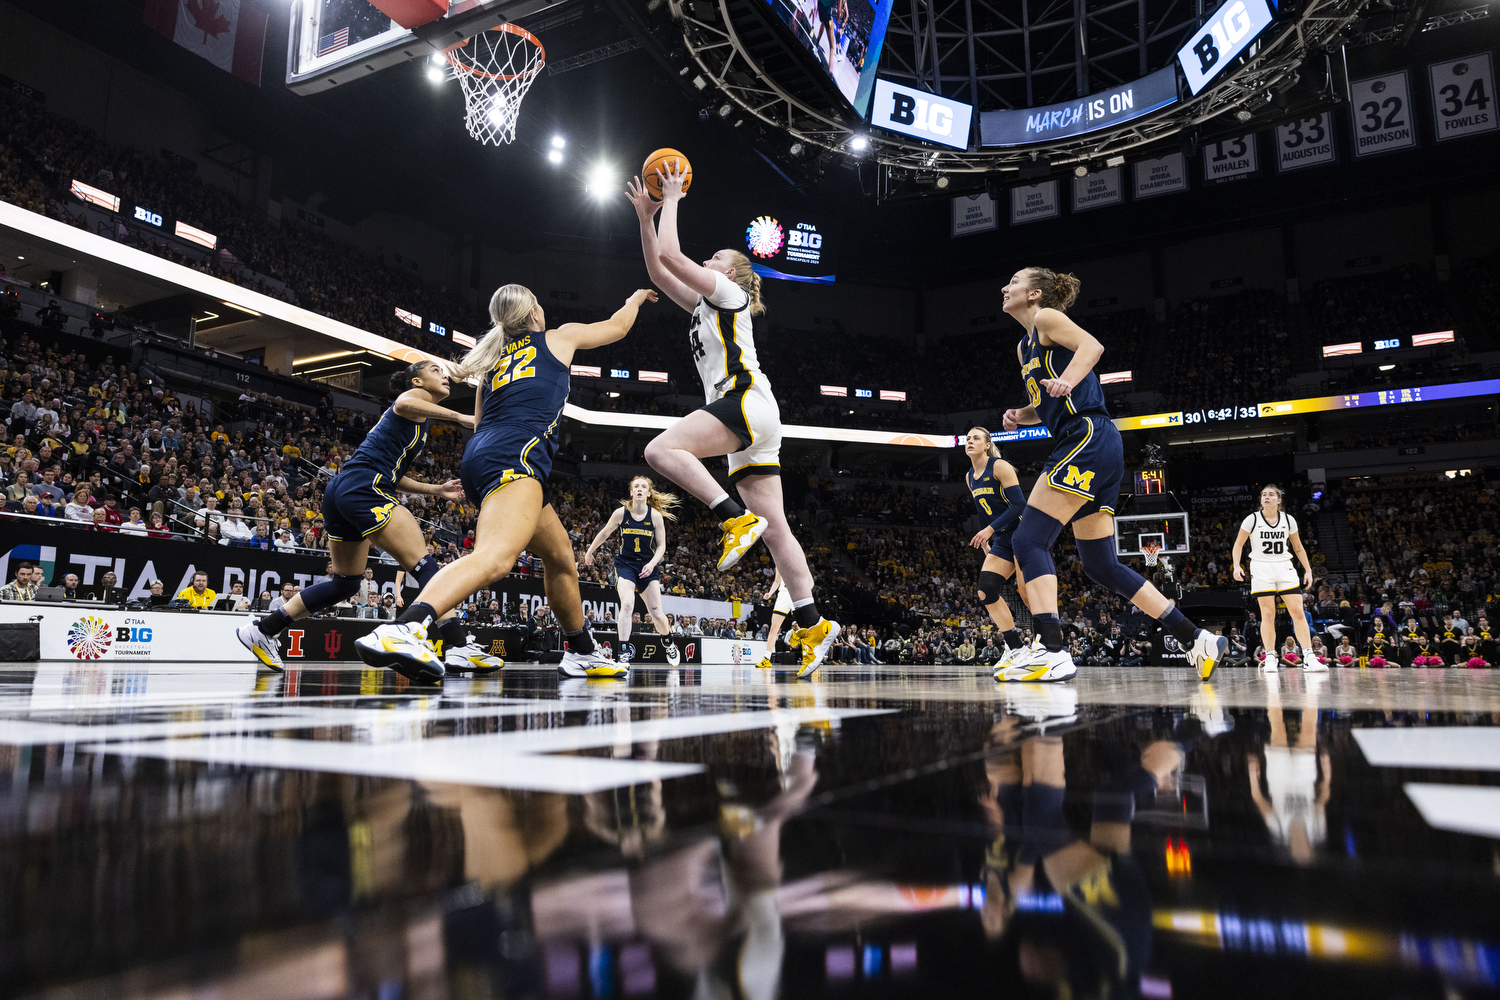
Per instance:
x=332, y=43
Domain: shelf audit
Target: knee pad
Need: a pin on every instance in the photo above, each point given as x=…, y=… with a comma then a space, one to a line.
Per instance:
x=989, y=587
x=1032, y=543
x=425, y=569
x=327, y=593
x=1102, y=566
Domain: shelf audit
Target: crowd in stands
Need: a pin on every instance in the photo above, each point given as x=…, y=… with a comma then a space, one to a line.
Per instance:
x=41, y=154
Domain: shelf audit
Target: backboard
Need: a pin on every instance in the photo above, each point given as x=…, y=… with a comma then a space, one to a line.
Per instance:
x=1168, y=530
x=334, y=42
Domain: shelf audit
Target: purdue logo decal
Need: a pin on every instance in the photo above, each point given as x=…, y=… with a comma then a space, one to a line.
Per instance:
x=1082, y=480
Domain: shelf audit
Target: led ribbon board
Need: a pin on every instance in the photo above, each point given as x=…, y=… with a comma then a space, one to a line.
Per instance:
x=1105, y=109
x=1228, y=32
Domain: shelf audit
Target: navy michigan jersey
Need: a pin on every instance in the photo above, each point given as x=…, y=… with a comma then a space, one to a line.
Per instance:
x=637, y=538
x=989, y=495
x=1042, y=362
x=358, y=501
x=1088, y=457
x=521, y=405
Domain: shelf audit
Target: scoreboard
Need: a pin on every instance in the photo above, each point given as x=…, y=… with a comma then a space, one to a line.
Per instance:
x=1149, y=481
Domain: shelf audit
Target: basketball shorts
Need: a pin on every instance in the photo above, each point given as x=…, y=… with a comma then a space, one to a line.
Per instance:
x=632, y=571
x=500, y=458
x=751, y=412
x=1000, y=544
x=1267, y=578
x=1088, y=461
x=783, y=605
x=355, y=507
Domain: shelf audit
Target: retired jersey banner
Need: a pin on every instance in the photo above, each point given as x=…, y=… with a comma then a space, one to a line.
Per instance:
x=1463, y=96
x=231, y=34
x=1305, y=142
x=1034, y=202
x=1164, y=175
x=974, y=213
x=1380, y=108
x=1097, y=190
x=1230, y=159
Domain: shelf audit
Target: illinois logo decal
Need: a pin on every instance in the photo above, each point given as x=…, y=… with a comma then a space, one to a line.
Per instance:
x=90, y=637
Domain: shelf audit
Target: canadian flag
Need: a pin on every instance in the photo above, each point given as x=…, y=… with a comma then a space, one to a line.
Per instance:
x=231, y=34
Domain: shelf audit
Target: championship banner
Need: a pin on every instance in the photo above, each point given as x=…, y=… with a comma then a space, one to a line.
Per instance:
x=1380, y=110
x=974, y=213
x=1097, y=190
x=1462, y=92
x=1164, y=175
x=1306, y=142
x=1230, y=159
x=1034, y=202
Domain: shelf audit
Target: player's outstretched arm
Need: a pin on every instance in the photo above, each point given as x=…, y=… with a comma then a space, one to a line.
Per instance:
x=646, y=208
x=453, y=489
x=610, y=525
x=414, y=404
x=1055, y=327
x=669, y=248
x=572, y=337
x=1296, y=543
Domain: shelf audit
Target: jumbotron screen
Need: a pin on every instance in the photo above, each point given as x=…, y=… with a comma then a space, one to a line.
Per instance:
x=793, y=246
x=844, y=36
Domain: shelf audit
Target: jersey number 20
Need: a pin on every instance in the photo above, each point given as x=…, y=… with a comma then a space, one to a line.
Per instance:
x=523, y=359
x=1273, y=548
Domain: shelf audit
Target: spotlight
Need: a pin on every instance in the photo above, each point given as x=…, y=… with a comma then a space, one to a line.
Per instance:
x=1243, y=115
x=797, y=151
x=859, y=144
x=1081, y=170
x=738, y=122
x=726, y=109
x=699, y=82
x=601, y=181
x=434, y=74
x=554, y=156
x=942, y=182
x=558, y=142
x=1386, y=368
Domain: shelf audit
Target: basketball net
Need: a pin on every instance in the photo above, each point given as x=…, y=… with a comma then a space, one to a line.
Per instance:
x=1150, y=552
x=495, y=69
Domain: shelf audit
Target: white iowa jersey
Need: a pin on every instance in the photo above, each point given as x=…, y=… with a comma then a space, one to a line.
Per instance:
x=723, y=340
x=1270, y=543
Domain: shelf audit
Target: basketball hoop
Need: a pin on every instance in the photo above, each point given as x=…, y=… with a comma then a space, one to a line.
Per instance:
x=1150, y=551
x=495, y=69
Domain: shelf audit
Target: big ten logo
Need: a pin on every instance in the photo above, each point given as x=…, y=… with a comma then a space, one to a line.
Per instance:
x=132, y=633
x=1223, y=34
x=147, y=216
x=921, y=113
x=805, y=235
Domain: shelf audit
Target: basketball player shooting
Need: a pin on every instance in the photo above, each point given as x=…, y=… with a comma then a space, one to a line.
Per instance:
x=739, y=418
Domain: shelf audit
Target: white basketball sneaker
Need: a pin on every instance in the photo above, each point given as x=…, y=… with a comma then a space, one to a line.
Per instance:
x=470, y=658
x=1268, y=663
x=576, y=664
x=404, y=648
x=1311, y=664
x=1208, y=652
x=265, y=647
x=1042, y=665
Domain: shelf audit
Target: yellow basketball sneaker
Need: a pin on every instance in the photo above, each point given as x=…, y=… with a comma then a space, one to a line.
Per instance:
x=740, y=534
x=815, y=643
x=765, y=663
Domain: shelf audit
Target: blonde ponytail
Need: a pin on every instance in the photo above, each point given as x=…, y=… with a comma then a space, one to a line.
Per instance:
x=657, y=500
x=745, y=276
x=994, y=450
x=510, y=314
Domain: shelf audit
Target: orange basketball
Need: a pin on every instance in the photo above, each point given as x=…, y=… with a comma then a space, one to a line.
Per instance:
x=664, y=160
